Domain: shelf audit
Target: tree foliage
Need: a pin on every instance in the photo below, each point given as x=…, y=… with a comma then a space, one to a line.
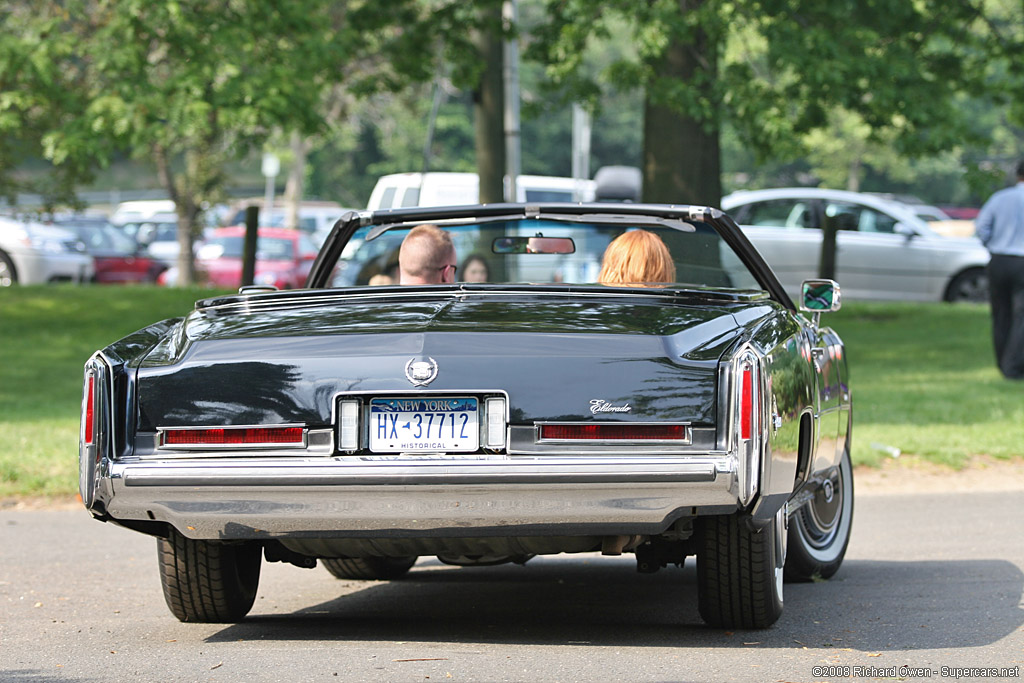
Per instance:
x=38, y=93
x=774, y=70
x=190, y=86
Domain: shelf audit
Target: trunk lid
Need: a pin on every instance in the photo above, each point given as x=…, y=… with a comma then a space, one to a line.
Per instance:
x=555, y=356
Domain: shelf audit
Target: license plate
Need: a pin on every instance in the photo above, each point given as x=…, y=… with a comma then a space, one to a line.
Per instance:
x=424, y=425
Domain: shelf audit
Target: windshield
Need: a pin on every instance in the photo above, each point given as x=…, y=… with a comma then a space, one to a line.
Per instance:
x=267, y=248
x=101, y=237
x=510, y=251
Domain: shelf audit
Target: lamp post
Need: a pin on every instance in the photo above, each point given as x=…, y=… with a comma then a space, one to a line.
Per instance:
x=271, y=167
x=510, y=71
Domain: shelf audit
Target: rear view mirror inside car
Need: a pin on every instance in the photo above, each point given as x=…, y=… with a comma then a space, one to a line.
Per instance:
x=533, y=245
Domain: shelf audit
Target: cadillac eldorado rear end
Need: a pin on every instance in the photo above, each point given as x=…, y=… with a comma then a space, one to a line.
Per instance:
x=341, y=425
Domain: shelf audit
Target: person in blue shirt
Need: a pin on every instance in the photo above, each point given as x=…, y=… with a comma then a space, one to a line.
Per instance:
x=1000, y=227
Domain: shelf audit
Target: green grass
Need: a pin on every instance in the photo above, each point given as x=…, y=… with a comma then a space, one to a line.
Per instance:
x=924, y=381
x=923, y=377
x=46, y=335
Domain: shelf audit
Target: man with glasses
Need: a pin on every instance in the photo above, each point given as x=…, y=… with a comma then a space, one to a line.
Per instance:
x=427, y=257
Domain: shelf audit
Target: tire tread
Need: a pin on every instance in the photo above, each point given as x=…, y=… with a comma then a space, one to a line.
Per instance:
x=369, y=568
x=205, y=581
x=735, y=575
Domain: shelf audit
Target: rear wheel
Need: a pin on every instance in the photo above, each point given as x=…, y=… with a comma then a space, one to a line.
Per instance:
x=8, y=273
x=369, y=568
x=208, y=581
x=970, y=285
x=820, y=530
x=739, y=572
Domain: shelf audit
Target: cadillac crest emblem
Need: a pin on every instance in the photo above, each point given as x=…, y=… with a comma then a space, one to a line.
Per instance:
x=421, y=372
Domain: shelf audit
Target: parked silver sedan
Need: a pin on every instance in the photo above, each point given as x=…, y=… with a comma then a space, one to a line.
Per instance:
x=33, y=253
x=883, y=250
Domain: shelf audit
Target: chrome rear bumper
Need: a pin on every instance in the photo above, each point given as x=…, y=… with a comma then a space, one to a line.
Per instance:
x=285, y=498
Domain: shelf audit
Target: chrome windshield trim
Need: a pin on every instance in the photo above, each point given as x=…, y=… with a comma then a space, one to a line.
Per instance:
x=529, y=213
x=596, y=291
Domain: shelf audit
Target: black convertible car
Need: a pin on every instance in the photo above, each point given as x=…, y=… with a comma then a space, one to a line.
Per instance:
x=539, y=412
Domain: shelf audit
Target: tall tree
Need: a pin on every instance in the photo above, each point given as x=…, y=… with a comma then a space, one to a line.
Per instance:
x=38, y=93
x=404, y=44
x=683, y=160
x=773, y=69
x=489, y=105
x=190, y=86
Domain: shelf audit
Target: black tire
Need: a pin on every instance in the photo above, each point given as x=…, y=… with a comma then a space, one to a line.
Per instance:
x=208, y=581
x=8, y=273
x=369, y=568
x=819, y=531
x=970, y=285
x=739, y=572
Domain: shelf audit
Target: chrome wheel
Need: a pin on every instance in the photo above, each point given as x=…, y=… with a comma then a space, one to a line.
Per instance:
x=970, y=286
x=8, y=276
x=819, y=530
x=820, y=517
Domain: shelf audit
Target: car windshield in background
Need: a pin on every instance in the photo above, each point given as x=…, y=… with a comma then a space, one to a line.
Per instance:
x=101, y=237
x=267, y=248
x=702, y=259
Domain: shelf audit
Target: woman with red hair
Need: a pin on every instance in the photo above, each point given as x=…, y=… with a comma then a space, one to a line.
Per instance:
x=637, y=257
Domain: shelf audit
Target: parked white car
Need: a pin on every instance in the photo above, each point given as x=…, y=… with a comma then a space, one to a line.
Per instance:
x=883, y=250
x=153, y=224
x=314, y=216
x=33, y=253
x=438, y=188
x=139, y=211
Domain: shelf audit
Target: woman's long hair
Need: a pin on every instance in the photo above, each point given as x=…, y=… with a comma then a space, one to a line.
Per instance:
x=637, y=257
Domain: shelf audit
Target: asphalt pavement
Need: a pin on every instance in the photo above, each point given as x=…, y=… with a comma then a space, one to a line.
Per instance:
x=931, y=589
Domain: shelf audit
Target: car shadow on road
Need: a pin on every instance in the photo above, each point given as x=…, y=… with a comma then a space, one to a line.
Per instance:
x=868, y=606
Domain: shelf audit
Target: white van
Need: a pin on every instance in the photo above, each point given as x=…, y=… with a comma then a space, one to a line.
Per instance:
x=455, y=189
x=144, y=211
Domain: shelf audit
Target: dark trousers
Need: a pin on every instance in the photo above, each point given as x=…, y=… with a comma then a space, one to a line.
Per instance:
x=1006, y=292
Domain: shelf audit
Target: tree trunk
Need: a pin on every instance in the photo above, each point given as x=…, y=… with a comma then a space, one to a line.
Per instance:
x=827, y=269
x=295, y=185
x=489, y=111
x=853, y=180
x=186, y=211
x=682, y=161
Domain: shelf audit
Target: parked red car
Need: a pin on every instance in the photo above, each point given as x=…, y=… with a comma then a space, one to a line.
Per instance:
x=283, y=257
x=117, y=257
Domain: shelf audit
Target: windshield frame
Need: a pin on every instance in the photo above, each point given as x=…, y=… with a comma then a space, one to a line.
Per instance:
x=611, y=214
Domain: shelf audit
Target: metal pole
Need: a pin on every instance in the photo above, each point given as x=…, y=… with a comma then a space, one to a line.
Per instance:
x=268, y=197
x=580, y=147
x=271, y=167
x=432, y=121
x=513, y=163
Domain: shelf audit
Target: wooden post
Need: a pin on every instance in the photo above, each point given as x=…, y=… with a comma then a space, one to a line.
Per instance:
x=252, y=221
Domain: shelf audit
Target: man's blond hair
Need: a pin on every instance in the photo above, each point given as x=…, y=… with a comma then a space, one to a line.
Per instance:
x=425, y=251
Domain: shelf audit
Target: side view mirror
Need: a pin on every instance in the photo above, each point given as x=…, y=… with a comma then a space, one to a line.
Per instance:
x=820, y=296
x=145, y=234
x=905, y=230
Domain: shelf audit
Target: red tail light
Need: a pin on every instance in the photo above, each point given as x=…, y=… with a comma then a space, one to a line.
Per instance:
x=748, y=423
x=90, y=409
x=747, y=402
x=613, y=432
x=245, y=436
